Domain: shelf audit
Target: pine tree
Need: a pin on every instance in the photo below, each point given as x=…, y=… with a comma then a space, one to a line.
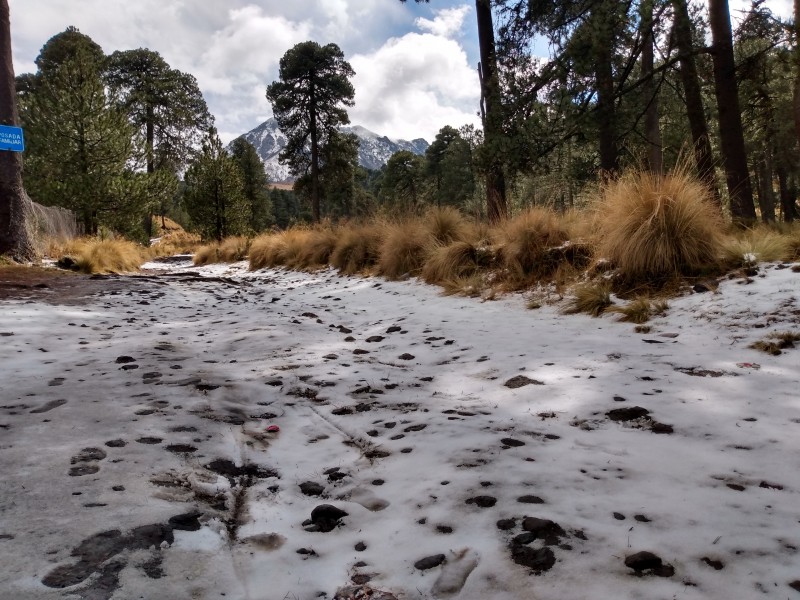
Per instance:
x=214, y=196
x=309, y=104
x=255, y=182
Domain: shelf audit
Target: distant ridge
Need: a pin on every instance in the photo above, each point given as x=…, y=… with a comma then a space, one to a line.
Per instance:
x=373, y=152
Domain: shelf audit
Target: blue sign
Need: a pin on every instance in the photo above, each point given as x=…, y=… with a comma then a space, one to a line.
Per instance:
x=11, y=138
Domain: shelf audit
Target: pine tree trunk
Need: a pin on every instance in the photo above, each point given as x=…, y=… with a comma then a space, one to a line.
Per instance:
x=730, y=118
x=787, y=195
x=766, y=195
x=652, y=131
x=314, y=160
x=796, y=104
x=15, y=206
x=695, y=113
x=496, y=206
x=604, y=79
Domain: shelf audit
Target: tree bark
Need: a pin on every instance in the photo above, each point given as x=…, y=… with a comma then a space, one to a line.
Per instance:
x=15, y=206
x=796, y=104
x=731, y=134
x=701, y=144
x=787, y=195
x=652, y=131
x=314, y=159
x=496, y=206
x=604, y=79
x=766, y=195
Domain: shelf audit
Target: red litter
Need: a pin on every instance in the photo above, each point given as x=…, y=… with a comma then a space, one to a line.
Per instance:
x=273, y=429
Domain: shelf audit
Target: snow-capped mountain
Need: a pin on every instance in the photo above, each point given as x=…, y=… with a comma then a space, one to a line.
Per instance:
x=373, y=152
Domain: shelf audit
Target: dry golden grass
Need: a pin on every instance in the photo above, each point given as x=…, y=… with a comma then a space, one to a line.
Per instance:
x=317, y=249
x=639, y=310
x=775, y=343
x=277, y=249
x=471, y=286
x=524, y=242
x=357, y=248
x=232, y=249
x=451, y=262
x=445, y=225
x=176, y=242
x=591, y=298
x=652, y=226
x=761, y=244
x=404, y=249
x=109, y=256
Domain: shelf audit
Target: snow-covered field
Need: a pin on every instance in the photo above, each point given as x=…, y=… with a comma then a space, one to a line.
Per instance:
x=484, y=437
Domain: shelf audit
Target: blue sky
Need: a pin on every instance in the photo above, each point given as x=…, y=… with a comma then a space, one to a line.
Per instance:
x=415, y=63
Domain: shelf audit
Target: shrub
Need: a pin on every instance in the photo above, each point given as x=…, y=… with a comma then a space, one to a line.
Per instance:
x=591, y=298
x=357, y=248
x=404, y=249
x=276, y=249
x=651, y=226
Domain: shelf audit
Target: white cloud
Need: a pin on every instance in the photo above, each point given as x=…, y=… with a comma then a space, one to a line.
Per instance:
x=446, y=23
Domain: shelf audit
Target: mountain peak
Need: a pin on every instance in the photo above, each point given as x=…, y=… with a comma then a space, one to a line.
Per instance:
x=374, y=149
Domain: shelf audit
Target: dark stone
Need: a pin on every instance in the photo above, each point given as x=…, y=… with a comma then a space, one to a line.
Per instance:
x=483, y=501
x=642, y=562
x=641, y=518
x=48, y=407
x=619, y=399
x=118, y=488
x=429, y=562
x=538, y=560
x=186, y=521
x=121, y=360
x=393, y=329
x=68, y=263
x=795, y=585
x=374, y=338
x=446, y=529
x=619, y=516
x=506, y=524
x=311, y=488
x=181, y=448
x=717, y=565
x=524, y=538
x=736, y=487
x=116, y=443
x=543, y=529
x=657, y=427
x=361, y=578
x=629, y=413
x=226, y=468
x=530, y=500
x=150, y=440
x=419, y=427
x=406, y=356
x=360, y=547
x=512, y=442
x=82, y=470
x=521, y=381
x=88, y=455
x=326, y=517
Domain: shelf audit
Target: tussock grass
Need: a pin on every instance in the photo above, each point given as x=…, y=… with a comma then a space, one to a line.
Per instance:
x=471, y=286
x=591, y=298
x=652, y=226
x=639, y=310
x=232, y=249
x=277, y=249
x=446, y=225
x=451, y=262
x=357, y=248
x=775, y=343
x=761, y=244
x=524, y=243
x=109, y=256
x=317, y=248
x=176, y=241
x=404, y=249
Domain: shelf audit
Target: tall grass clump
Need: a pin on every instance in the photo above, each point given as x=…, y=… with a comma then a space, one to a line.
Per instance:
x=404, y=249
x=591, y=298
x=277, y=249
x=109, y=256
x=232, y=249
x=654, y=226
x=445, y=224
x=761, y=244
x=639, y=310
x=357, y=248
x=524, y=243
x=452, y=262
x=317, y=249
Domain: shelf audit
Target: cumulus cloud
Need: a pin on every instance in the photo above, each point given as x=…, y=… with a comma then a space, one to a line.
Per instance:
x=446, y=23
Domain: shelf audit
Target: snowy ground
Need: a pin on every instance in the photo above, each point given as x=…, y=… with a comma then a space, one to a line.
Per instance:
x=137, y=463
